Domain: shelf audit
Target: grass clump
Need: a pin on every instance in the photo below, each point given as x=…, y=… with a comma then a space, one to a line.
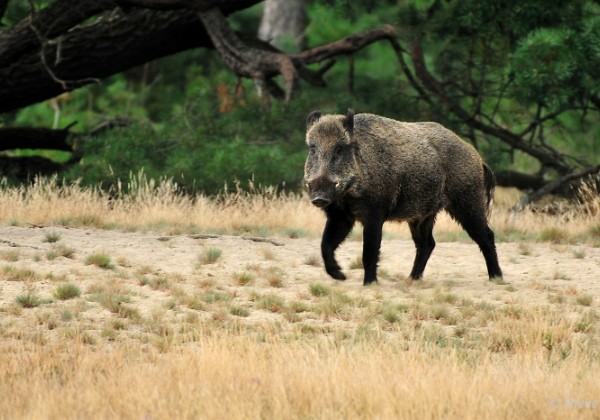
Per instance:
x=213, y=297
x=28, y=300
x=391, y=315
x=60, y=251
x=67, y=291
x=274, y=276
x=99, y=259
x=299, y=306
x=11, y=273
x=243, y=279
x=584, y=300
x=268, y=254
x=524, y=249
x=239, y=311
x=295, y=233
x=554, y=234
x=579, y=254
x=159, y=283
x=12, y=256
x=52, y=237
x=319, y=289
x=210, y=255
x=270, y=302
x=313, y=260
x=114, y=299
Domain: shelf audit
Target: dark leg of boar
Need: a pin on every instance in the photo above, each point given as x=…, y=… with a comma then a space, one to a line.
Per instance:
x=338, y=226
x=422, y=234
x=475, y=223
x=372, y=233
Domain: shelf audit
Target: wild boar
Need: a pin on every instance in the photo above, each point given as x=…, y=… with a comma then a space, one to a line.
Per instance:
x=373, y=169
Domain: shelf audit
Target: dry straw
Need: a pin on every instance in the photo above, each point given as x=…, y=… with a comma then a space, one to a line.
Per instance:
x=146, y=204
x=225, y=346
x=243, y=377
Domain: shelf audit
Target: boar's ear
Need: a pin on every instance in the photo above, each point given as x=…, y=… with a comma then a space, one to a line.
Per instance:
x=312, y=118
x=348, y=122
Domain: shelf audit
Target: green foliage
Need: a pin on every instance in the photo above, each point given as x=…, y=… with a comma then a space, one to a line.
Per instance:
x=202, y=149
x=510, y=61
x=507, y=60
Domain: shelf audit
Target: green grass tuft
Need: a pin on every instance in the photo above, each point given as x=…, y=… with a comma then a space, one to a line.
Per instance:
x=67, y=291
x=319, y=289
x=239, y=311
x=555, y=235
x=99, y=259
x=210, y=255
x=584, y=300
x=52, y=237
x=28, y=300
x=243, y=279
x=11, y=273
x=60, y=251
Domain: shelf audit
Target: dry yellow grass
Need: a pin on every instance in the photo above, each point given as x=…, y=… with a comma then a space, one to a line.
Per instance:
x=160, y=336
x=157, y=206
x=247, y=376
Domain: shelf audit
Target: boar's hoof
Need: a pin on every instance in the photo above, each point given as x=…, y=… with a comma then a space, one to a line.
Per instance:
x=497, y=279
x=337, y=274
x=320, y=202
x=369, y=282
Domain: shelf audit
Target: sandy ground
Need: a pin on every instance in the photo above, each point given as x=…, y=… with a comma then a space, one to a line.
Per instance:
x=533, y=271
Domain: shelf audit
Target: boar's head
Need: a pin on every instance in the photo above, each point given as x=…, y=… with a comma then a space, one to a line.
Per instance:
x=330, y=166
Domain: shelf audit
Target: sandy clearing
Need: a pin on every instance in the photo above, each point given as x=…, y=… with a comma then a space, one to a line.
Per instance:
x=532, y=270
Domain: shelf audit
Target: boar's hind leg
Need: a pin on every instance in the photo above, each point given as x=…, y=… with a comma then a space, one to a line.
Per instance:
x=475, y=223
x=371, y=243
x=422, y=234
x=338, y=226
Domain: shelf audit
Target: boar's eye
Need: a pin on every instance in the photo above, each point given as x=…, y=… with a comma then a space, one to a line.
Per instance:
x=338, y=150
x=312, y=149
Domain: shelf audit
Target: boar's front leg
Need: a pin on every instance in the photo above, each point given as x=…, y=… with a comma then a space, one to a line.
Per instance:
x=372, y=234
x=338, y=226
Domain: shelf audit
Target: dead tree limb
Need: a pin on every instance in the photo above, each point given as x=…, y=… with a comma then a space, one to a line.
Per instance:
x=260, y=64
x=547, y=156
x=550, y=187
x=78, y=50
x=34, y=138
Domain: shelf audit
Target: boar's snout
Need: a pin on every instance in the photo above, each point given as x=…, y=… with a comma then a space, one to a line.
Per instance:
x=322, y=191
x=320, y=201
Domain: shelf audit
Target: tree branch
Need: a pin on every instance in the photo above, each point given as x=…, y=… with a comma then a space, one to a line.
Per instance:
x=553, y=186
x=262, y=64
x=348, y=45
x=50, y=22
x=55, y=50
x=34, y=138
x=549, y=158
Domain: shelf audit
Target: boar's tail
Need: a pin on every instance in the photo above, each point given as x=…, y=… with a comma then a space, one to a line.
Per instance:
x=489, y=182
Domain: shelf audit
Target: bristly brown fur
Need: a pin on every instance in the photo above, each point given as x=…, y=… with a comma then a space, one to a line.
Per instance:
x=370, y=168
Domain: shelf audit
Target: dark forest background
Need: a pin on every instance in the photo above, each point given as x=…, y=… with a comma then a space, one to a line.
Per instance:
x=99, y=90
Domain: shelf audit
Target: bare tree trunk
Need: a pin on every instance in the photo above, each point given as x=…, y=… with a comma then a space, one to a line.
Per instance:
x=61, y=47
x=283, y=24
